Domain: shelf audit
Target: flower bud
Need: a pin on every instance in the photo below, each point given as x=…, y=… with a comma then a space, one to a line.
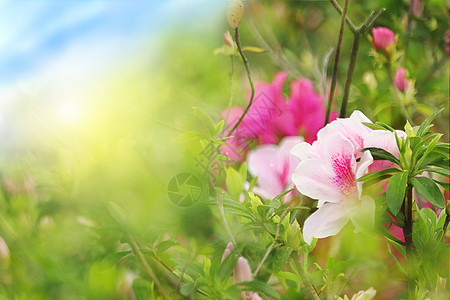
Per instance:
x=365, y=295
x=227, y=39
x=4, y=252
x=400, y=80
x=227, y=250
x=242, y=272
x=415, y=215
x=293, y=235
x=382, y=38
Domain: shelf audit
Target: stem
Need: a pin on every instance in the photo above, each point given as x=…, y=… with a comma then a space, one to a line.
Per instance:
x=219, y=200
x=358, y=32
x=444, y=228
x=249, y=76
x=336, y=63
x=230, y=102
x=277, y=235
x=407, y=232
x=351, y=69
x=347, y=20
x=145, y=266
x=302, y=272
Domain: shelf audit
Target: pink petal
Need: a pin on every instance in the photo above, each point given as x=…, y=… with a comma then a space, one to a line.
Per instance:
x=328, y=220
x=352, y=128
x=382, y=38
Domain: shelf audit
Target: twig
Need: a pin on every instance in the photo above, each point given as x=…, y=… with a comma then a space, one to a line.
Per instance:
x=249, y=76
x=357, y=34
x=230, y=102
x=336, y=63
x=273, y=244
x=347, y=20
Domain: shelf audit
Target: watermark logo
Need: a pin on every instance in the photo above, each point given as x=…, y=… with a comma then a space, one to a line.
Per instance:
x=185, y=189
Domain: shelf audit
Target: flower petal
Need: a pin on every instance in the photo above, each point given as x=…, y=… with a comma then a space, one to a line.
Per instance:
x=328, y=220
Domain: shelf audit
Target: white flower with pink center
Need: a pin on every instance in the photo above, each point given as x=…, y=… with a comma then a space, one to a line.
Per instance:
x=328, y=170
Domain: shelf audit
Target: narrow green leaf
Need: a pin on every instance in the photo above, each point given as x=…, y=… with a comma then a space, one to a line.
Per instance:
x=395, y=192
x=381, y=154
x=187, y=288
x=258, y=286
x=206, y=120
x=424, y=127
x=440, y=171
x=374, y=126
x=428, y=188
x=375, y=175
x=234, y=183
x=143, y=289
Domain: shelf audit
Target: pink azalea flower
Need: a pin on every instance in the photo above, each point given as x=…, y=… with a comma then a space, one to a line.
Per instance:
x=382, y=38
x=270, y=117
x=273, y=165
x=328, y=170
x=307, y=108
x=400, y=80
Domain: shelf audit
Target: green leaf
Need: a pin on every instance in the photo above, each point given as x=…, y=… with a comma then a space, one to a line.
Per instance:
x=164, y=245
x=218, y=128
x=380, y=154
x=206, y=120
x=440, y=171
x=258, y=286
x=386, y=126
x=395, y=192
x=143, y=289
x=187, y=288
x=428, y=188
x=374, y=126
x=280, y=258
x=425, y=125
x=253, y=49
x=375, y=175
x=289, y=276
x=234, y=183
x=113, y=258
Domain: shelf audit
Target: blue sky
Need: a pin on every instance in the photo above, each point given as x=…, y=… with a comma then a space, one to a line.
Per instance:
x=35, y=34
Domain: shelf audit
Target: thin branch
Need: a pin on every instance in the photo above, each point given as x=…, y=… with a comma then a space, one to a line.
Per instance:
x=230, y=102
x=347, y=20
x=336, y=63
x=273, y=244
x=249, y=76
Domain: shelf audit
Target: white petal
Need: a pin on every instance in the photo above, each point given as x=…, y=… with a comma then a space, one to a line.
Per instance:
x=326, y=221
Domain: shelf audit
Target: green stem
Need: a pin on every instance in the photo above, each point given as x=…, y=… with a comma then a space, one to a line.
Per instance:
x=336, y=63
x=350, y=71
x=407, y=233
x=302, y=272
x=230, y=102
x=347, y=20
x=273, y=244
x=249, y=76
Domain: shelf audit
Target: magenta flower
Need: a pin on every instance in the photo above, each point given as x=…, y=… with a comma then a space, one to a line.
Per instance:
x=382, y=38
x=400, y=80
x=328, y=170
x=271, y=117
x=273, y=165
x=307, y=109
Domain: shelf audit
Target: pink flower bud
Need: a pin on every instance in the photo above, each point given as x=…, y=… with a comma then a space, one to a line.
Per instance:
x=4, y=251
x=242, y=272
x=400, y=80
x=227, y=250
x=382, y=38
x=227, y=39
